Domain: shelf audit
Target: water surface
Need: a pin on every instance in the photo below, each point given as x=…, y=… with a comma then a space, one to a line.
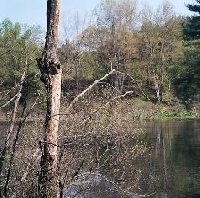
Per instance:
x=175, y=157
x=171, y=170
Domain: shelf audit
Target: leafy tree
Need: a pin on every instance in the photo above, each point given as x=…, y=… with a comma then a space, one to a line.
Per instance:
x=160, y=36
x=192, y=26
x=112, y=37
x=19, y=47
x=188, y=81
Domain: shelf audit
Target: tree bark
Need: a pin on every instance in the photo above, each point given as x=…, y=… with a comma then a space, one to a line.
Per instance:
x=51, y=73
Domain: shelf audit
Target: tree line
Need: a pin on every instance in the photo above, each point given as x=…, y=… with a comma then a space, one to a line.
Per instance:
x=155, y=51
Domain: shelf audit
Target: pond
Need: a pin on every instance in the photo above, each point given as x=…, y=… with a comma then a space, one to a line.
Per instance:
x=175, y=157
x=170, y=170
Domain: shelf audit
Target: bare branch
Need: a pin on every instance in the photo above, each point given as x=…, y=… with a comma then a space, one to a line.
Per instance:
x=89, y=88
x=121, y=96
x=8, y=102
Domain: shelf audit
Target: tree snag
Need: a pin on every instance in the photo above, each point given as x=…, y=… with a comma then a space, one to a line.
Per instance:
x=51, y=73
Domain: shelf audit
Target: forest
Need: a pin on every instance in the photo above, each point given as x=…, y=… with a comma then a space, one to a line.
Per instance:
x=121, y=63
x=156, y=52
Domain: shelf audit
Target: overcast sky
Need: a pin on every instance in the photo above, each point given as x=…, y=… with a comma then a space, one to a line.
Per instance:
x=34, y=11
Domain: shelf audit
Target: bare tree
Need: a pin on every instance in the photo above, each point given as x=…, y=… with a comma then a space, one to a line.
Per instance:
x=51, y=73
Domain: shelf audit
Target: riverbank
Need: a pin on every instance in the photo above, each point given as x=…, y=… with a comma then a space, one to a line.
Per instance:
x=135, y=108
x=158, y=111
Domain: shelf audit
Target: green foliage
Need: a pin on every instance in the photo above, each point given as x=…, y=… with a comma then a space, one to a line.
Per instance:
x=192, y=24
x=19, y=48
x=159, y=50
x=151, y=55
x=182, y=115
x=192, y=28
x=188, y=75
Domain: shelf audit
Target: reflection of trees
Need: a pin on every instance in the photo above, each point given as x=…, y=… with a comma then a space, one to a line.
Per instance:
x=104, y=140
x=175, y=158
x=108, y=142
x=186, y=160
x=159, y=156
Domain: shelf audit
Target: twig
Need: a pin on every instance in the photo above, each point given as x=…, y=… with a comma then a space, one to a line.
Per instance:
x=13, y=149
x=36, y=154
x=121, y=96
x=13, y=119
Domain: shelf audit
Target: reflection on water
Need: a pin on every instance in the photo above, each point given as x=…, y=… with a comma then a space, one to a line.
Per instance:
x=95, y=185
x=175, y=157
x=172, y=170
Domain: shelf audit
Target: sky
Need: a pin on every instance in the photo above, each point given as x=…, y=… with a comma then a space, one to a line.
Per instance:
x=33, y=12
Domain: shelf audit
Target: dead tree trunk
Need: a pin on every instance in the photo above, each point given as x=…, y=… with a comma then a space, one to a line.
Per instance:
x=51, y=73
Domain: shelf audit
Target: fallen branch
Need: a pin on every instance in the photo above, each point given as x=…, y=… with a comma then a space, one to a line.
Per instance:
x=13, y=98
x=89, y=88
